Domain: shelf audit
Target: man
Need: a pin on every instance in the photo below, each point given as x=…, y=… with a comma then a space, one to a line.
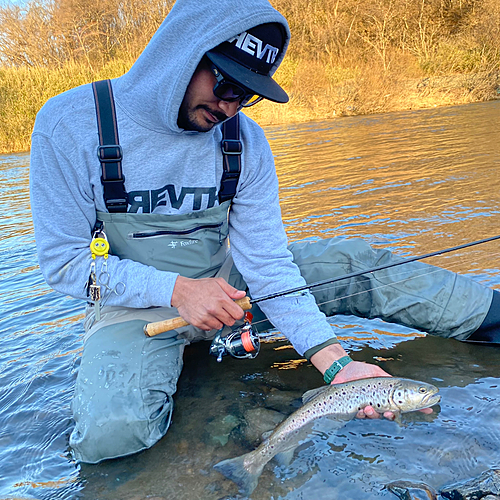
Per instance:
x=166, y=221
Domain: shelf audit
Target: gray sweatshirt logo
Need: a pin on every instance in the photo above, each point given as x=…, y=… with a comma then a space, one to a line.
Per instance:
x=147, y=201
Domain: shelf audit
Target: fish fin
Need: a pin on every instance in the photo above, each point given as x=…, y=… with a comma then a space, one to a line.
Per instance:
x=245, y=477
x=397, y=418
x=309, y=395
x=335, y=421
x=285, y=457
x=266, y=434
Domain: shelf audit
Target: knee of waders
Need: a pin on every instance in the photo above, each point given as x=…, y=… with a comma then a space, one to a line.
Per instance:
x=333, y=251
x=121, y=429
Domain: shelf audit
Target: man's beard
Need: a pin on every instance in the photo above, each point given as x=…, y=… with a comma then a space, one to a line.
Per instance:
x=187, y=118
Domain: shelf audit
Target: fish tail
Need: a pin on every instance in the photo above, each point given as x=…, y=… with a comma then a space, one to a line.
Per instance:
x=246, y=476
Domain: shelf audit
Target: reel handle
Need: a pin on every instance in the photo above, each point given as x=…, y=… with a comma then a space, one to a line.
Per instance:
x=152, y=329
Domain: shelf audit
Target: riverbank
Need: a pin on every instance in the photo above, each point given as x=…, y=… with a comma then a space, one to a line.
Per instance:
x=378, y=93
x=315, y=94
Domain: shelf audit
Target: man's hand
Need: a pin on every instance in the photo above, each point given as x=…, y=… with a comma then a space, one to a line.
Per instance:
x=207, y=303
x=354, y=370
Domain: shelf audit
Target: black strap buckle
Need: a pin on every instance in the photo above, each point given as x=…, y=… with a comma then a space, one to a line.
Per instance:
x=114, y=183
x=117, y=206
x=232, y=147
x=114, y=155
x=229, y=175
x=115, y=195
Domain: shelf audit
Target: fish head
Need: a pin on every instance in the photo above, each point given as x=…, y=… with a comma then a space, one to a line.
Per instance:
x=410, y=395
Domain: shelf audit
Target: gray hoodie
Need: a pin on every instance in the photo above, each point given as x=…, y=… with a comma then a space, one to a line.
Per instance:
x=167, y=171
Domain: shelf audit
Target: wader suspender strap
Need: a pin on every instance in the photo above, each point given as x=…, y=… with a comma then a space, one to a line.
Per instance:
x=109, y=151
x=231, y=152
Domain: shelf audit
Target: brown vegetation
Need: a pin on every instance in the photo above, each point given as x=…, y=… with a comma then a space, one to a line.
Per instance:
x=89, y=32
x=346, y=56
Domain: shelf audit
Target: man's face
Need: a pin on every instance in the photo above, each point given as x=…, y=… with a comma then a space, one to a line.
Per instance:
x=200, y=109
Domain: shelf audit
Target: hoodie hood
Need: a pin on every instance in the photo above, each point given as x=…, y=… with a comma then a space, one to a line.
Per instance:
x=151, y=92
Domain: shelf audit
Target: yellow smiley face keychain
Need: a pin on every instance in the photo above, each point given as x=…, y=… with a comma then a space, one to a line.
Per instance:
x=99, y=247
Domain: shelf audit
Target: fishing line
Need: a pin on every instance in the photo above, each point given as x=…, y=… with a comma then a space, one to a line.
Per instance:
x=394, y=275
x=244, y=342
x=437, y=270
x=381, y=286
x=248, y=302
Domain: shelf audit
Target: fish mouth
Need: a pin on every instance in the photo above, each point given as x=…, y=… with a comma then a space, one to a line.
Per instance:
x=431, y=400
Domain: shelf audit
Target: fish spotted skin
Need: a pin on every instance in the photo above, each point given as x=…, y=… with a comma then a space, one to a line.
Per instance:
x=341, y=401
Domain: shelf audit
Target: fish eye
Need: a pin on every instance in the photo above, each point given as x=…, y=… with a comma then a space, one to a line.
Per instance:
x=422, y=390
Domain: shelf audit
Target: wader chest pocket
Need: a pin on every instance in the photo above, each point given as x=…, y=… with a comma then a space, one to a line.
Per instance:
x=193, y=245
x=142, y=235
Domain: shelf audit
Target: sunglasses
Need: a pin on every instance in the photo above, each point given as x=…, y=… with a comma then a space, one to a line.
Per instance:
x=229, y=91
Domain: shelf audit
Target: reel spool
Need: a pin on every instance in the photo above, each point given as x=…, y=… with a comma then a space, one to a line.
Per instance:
x=242, y=343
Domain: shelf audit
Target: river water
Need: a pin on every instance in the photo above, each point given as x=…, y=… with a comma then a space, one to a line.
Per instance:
x=414, y=182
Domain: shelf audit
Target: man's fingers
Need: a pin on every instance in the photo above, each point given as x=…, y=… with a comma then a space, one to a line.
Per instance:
x=370, y=412
x=210, y=325
x=234, y=312
x=207, y=303
x=228, y=311
x=215, y=317
x=427, y=410
x=232, y=292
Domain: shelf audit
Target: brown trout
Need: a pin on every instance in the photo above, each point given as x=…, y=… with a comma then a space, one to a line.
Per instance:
x=340, y=403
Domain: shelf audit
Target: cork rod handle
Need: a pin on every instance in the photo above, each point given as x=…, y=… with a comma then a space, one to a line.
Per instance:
x=152, y=329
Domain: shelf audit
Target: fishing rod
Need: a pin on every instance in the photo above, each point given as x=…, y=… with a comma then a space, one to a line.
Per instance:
x=246, y=303
x=372, y=270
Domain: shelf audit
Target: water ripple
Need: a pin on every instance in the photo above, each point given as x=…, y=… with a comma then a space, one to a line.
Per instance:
x=414, y=182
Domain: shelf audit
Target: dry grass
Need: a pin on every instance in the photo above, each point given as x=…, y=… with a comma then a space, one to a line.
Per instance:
x=23, y=91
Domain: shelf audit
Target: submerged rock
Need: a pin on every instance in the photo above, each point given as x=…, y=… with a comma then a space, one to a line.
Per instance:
x=259, y=421
x=220, y=429
x=408, y=490
x=487, y=484
x=283, y=401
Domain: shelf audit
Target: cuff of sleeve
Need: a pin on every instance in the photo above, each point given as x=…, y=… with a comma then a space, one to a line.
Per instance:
x=313, y=350
x=160, y=288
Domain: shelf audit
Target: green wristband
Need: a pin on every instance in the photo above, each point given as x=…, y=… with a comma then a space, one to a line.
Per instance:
x=335, y=368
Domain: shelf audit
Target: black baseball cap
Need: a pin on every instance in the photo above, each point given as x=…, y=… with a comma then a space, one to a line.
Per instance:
x=249, y=57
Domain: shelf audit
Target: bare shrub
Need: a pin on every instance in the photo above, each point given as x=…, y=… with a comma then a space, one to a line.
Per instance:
x=92, y=32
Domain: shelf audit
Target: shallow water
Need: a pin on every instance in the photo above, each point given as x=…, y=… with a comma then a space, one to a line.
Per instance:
x=414, y=182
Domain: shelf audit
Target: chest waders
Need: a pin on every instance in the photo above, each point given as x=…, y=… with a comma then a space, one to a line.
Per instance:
x=123, y=396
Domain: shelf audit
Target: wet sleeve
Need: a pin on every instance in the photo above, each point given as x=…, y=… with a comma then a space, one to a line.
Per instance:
x=64, y=213
x=259, y=248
